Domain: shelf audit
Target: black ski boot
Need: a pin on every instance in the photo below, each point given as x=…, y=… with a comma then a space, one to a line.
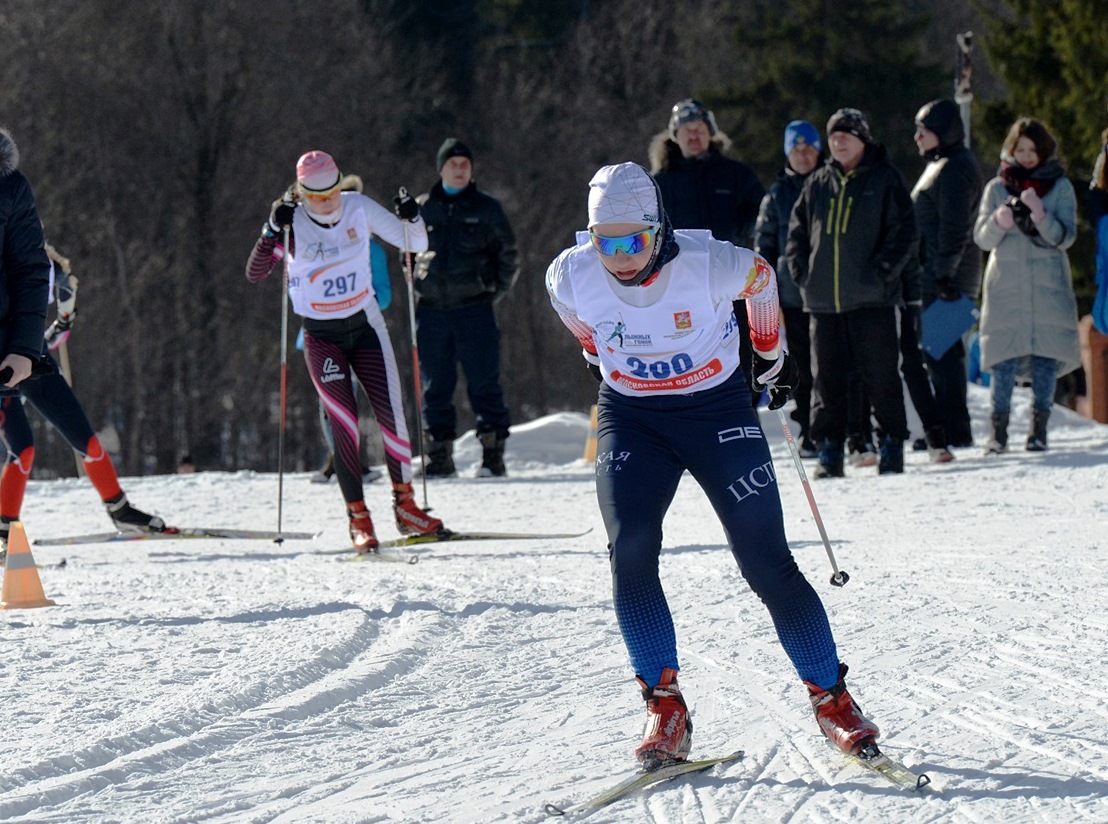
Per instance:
x=492, y=456
x=1036, y=438
x=439, y=461
x=128, y=519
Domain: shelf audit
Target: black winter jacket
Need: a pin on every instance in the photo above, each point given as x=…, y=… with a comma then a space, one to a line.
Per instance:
x=711, y=192
x=24, y=267
x=851, y=234
x=947, y=197
x=475, y=251
x=771, y=232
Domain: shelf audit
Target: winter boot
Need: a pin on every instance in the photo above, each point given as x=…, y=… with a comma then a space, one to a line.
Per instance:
x=830, y=459
x=1036, y=438
x=936, y=445
x=892, y=456
x=410, y=519
x=862, y=452
x=128, y=519
x=492, y=456
x=324, y=474
x=840, y=717
x=998, y=443
x=361, y=528
x=807, y=449
x=439, y=459
x=668, y=734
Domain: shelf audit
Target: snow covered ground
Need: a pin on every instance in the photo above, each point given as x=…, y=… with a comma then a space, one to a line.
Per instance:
x=243, y=681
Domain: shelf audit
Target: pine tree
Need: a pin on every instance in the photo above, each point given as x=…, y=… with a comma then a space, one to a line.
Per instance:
x=811, y=57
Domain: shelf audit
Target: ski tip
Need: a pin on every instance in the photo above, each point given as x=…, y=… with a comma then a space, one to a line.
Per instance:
x=922, y=781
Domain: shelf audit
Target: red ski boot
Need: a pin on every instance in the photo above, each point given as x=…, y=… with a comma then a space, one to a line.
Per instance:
x=410, y=519
x=668, y=734
x=361, y=528
x=840, y=717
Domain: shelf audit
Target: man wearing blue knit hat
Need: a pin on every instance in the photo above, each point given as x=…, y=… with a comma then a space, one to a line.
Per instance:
x=803, y=153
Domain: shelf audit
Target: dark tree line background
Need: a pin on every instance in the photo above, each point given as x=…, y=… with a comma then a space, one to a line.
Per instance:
x=156, y=136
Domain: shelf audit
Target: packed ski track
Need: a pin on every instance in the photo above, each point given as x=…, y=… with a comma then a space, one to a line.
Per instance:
x=247, y=681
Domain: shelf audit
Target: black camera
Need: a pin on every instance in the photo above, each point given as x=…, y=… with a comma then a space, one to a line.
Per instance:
x=1022, y=214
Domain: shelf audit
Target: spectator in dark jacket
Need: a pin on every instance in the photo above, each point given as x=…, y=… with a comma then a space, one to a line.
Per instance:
x=24, y=271
x=473, y=266
x=850, y=235
x=946, y=197
x=702, y=189
x=803, y=153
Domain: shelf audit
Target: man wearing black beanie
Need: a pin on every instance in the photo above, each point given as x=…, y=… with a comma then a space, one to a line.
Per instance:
x=851, y=234
x=473, y=266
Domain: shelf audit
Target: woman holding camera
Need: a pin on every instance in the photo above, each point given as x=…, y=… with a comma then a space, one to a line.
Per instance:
x=1027, y=220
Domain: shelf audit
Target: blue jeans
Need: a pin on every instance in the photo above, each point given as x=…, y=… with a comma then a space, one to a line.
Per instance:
x=1044, y=376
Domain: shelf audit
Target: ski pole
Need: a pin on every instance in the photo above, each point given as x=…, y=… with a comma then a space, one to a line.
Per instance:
x=840, y=577
x=284, y=386
x=409, y=278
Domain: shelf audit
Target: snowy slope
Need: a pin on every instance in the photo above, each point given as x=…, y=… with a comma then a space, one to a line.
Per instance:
x=243, y=681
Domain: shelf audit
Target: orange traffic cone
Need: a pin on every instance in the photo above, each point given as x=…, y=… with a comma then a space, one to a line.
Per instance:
x=22, y=587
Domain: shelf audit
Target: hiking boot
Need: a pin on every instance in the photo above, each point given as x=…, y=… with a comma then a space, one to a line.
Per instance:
x=361, y=528
x=892, y=456
x=668, y=734
x=439, y=460
x=862, y=451
x=839, y=716
x=128, y=519
x=936, y=445
x=998, y=443
x=830, y=459
x=410, y=519
x=492, y=456
x=1036, y=438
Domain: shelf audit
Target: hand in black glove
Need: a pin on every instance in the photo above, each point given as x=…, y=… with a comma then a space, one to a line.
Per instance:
x=948, y=291
x=405, y=206
x=781, y=376
x=280, y=216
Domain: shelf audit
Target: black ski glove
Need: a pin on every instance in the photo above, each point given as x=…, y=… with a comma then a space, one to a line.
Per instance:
x=780, y=376
x=280, y=217
x=405, y=206
x=948, y=291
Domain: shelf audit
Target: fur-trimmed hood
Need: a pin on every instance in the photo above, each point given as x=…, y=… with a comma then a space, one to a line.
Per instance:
x=664, y=149
x=9, y=154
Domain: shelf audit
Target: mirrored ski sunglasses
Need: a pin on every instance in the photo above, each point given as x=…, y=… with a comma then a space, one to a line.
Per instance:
x=628, y=244
x=319, y=197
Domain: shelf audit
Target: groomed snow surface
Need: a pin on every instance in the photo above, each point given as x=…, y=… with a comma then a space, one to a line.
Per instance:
x=244, y=681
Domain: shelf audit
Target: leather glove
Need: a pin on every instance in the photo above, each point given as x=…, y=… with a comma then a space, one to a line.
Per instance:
x=780, y=376
x=1035, y=203
x=405, y=206
x=948, y=291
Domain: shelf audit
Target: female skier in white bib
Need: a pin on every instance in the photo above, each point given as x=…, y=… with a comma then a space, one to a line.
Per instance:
x=652, y=308
x=331, y=288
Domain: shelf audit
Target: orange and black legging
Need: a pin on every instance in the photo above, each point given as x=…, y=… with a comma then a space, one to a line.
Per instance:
x=55, y=401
